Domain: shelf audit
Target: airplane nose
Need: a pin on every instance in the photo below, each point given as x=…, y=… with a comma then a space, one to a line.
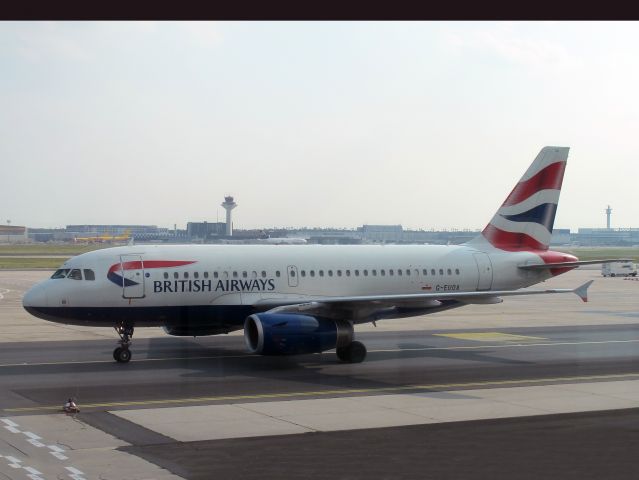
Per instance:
x=35, y=297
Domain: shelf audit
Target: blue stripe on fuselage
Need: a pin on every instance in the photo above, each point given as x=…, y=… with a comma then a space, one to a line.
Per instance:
x=224, y=317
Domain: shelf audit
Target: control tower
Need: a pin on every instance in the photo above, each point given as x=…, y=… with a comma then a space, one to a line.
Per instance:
x=229, y=205
x=608, y=212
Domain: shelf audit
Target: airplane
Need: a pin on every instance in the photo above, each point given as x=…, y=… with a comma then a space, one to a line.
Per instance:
x=105, y=238
x=299, y=299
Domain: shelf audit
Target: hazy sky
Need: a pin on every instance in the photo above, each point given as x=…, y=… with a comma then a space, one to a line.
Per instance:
x=426, y=124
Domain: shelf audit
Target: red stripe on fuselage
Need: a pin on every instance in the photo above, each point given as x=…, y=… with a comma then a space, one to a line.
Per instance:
x=138, y=265
x=550, y=178
x=557, y=257
x=520, y=242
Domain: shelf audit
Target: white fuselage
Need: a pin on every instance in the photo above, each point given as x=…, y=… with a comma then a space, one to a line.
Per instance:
x=227, y=282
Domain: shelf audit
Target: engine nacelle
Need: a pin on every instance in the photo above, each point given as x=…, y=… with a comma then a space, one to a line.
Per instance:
x=291, y=333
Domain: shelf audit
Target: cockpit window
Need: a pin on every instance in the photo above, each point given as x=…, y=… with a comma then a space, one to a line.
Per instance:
x=62, y=273
x=89, y=274
x=75, y=274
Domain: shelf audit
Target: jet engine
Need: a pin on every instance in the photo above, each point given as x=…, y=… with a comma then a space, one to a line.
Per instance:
x=290, y=334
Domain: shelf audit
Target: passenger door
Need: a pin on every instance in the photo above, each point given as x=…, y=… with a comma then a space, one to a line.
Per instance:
x=291, y=271
x=132, y=271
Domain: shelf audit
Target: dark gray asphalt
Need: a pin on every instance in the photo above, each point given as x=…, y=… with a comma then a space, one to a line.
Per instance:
x=601, y=445
x=36, y=375
x=176, y=368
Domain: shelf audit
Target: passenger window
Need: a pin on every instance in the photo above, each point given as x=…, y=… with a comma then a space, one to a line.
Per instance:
x=330, y=273
x=303, y=272
x=235, y=275
x=441, y=271
x=348, y=273
x=206, y=274
x=321, y=273
x=457, y=271
x=215, y=275
x=196, y=275
x=383, y=272
x=75, y=274
x=176, y=275
x=449, y=272
x=186, y=274
x=244, y=274
x=263, y=274
x=225, y=275
x=253, y=274
x=365, y=273
x=408, y=272
x=357, y=273
x=425, y=272
x=339, y=273
x=399, y=271
x=374, y=273
x=166, y=275
x=277, y=273
x=390, y=272
x=312, y=273
x=88, y=274
x=432, y=271
x=291, y=273
x=62, y=273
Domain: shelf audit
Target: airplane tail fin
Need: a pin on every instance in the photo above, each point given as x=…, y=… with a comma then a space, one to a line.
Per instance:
x=525, y=220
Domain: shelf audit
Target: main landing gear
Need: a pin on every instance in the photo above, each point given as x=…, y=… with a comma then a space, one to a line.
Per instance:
x=354, y=352
x=122, y=354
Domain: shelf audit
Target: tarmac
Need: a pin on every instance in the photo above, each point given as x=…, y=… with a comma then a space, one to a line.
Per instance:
x=522, y=389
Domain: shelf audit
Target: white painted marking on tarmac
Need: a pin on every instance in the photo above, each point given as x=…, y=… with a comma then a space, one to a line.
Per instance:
x=57, y=452
x=3, y=292
x=32, y=435
x=9, y=422
x=35, y=443
x=13, y=429
x=75, y=473
x=15, y=463
x=421, y=349
x=514, y=345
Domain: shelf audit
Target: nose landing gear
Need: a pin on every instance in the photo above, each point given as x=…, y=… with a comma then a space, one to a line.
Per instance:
x=122, y=354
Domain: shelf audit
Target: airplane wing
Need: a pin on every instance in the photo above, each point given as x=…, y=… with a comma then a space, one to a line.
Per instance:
x=548, y=266
x=412, y=300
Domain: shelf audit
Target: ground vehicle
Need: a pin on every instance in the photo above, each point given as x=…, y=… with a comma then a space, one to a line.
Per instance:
x=619, y=269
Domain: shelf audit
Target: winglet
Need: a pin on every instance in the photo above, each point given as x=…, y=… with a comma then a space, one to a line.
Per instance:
x=582, y=292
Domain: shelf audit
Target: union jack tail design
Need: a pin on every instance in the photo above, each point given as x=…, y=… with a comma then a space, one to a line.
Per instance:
x=525, y=220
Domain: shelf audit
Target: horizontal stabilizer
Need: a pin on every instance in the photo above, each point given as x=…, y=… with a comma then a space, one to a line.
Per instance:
x=582, y=292
x=548, y=266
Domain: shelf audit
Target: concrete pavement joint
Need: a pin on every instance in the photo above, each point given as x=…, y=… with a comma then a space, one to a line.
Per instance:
x=338, y=392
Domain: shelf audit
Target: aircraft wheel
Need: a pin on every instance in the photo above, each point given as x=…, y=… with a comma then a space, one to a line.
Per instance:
x=612, y=275
x=353, y=353
x=122, y=355
x=342, y=354
x=357, y=352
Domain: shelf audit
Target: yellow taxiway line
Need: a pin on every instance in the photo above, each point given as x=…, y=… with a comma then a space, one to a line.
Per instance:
x=338, y=392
